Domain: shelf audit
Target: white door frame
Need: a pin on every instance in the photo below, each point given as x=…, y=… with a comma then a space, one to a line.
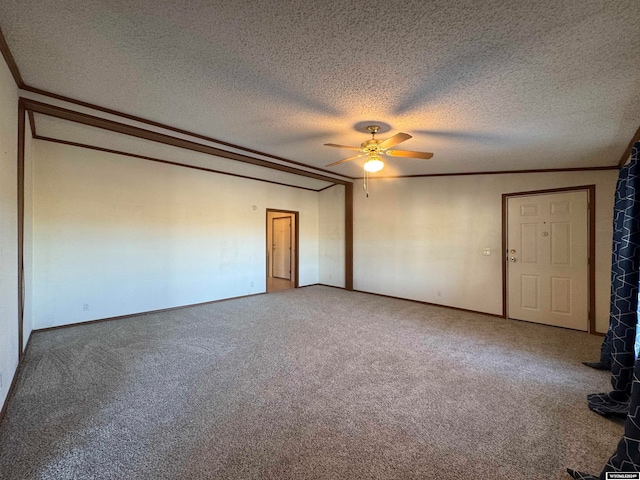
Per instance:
x=591, y=195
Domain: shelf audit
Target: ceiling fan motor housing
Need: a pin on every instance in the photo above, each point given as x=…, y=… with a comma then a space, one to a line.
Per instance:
x=371, y=146
x=374, y=149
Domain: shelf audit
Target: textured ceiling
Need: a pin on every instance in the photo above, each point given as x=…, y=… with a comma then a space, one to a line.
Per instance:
x=491, y=85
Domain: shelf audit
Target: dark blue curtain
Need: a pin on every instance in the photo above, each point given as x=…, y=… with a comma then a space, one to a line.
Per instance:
x=627, y=455
x=618, y=348
x=605, y=353
x=619, y=344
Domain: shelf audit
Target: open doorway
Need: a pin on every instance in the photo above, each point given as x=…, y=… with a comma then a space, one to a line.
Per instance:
x=282, y=250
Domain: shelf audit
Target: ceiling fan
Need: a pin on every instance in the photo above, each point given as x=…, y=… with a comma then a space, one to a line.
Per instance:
x=374, y=149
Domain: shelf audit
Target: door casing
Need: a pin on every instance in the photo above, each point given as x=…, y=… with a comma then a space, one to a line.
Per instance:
x=591, y=193
x=296, y=242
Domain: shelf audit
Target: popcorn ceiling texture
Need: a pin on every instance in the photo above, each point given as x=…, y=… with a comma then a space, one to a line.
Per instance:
x=493, y=85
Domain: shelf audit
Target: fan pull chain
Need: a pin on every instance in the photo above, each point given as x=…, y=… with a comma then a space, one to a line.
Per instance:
x=365, y=184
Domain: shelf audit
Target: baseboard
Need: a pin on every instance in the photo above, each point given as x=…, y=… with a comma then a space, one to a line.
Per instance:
x=321, y=285
x=122, y=317
x=556, y=326
x=432, y=304
x=14, y=381
x=410, y=300
x=470, y=311
x=131, y=315
x=10, y=393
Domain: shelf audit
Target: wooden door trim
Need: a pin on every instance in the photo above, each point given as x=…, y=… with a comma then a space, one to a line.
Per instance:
x=20, y=212
x=591, y=212
x=348, y=236
x=296, y=216
x=138, y=132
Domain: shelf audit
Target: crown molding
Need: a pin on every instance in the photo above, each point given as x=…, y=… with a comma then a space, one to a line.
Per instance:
x=32, y=123
x=168, y=162
x=15, y=72
x=627, y=152
x=496, y=172
x=110, y=125
x=13, y=67
x=11, y=63
x=170, y=128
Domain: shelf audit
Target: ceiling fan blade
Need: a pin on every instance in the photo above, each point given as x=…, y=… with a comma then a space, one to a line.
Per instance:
x=357, y=149
x=395, y=140
x=409, y=154
x=344, y=160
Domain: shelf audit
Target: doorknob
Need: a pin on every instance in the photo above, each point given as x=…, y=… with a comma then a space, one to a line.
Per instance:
x=512, y=259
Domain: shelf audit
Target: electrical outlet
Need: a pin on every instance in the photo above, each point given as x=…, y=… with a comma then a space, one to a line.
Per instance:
x=486, y=252
x=85, y=307
x=252, y=284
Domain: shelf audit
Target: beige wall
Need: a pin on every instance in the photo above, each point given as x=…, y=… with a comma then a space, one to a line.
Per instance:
x=115, y=235
x=331, y=230
x=416, y=238
x=8, y=230
x=422, y=238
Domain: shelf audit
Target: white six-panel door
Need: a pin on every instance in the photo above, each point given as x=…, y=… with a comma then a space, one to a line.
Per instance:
x=547, y=259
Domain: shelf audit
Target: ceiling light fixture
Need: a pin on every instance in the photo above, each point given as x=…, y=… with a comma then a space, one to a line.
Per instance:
x=374, y=164
x=374, y=148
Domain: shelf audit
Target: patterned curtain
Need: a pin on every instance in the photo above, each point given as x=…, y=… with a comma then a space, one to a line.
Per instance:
x=605, y=352
x=618, y=348
x=619, y=344
x=627, y=456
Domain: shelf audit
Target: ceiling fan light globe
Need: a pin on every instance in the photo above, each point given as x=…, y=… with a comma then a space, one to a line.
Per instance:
x=374, y=165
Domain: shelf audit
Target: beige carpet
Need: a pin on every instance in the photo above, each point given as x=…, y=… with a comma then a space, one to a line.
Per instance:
x=308, y=383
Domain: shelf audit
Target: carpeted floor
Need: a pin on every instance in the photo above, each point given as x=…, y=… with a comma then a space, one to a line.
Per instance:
x=307, y=383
